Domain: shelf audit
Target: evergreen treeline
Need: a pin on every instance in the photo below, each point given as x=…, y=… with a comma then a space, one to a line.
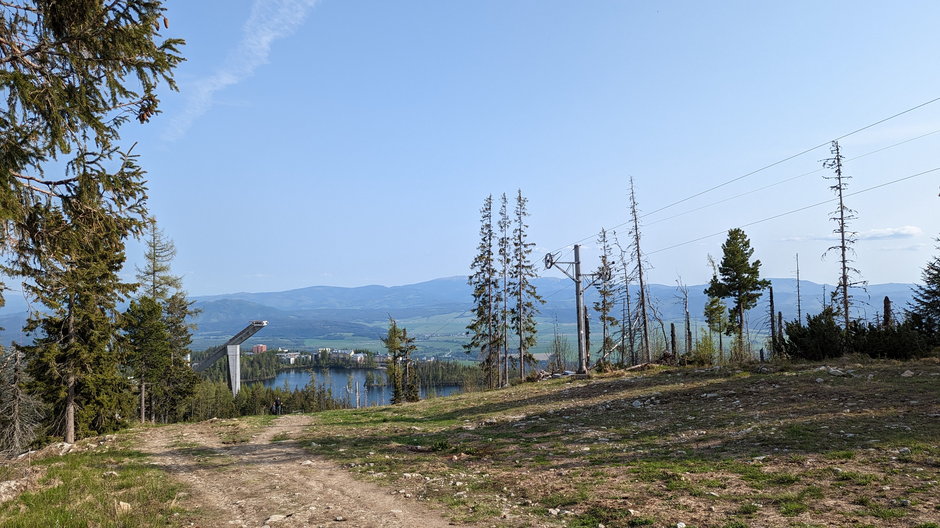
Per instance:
x=443, y=373
x=254, y=367
x=213, y=399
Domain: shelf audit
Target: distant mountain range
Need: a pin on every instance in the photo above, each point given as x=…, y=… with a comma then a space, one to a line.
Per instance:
x=439, y=310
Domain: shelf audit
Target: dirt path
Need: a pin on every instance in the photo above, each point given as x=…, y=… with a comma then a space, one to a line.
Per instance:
x=271, y=481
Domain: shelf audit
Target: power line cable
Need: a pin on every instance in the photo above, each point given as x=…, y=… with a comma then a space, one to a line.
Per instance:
x=787, y=180
x=817, y=204
x=784, y=160
x=774, y=164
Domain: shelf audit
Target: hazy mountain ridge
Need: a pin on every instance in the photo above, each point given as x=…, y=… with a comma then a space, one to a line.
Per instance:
x=337, y=313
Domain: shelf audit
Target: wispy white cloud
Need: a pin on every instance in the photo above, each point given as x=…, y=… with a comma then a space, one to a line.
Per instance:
x=891, y=233
x=884, y=233
x=270, y=20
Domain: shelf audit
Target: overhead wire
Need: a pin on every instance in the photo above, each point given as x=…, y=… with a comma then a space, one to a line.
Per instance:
x=774, y=164
x=787, y=180
x=792, y=211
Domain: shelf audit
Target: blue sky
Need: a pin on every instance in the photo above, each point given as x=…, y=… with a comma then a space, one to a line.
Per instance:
x=352, y=142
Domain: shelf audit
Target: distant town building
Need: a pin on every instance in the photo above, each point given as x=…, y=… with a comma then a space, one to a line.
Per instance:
x=288, y=357
x=259, y=349
x=341, y=354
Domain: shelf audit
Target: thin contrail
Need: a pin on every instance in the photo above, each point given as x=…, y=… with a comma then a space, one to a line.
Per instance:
x=269, y=20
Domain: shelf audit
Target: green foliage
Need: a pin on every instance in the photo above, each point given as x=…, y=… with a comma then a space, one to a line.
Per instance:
x=901, y=341
x=400, y=370
x=821, y=338
x=704, y=351
x=738, y=278
x=605, y=304
x=80, y=490
x=79, y=71
x=525, y=297
x=925, y=308
x=484, y=327
x=155, y=279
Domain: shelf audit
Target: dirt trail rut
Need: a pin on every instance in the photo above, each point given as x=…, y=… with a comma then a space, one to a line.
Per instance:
x=275, y=483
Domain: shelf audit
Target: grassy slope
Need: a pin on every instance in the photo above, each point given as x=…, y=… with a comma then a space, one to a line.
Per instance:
x=85, y=488
x=707, y=448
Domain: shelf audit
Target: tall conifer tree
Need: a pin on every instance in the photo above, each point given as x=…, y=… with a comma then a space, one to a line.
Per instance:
x=605, y=304
x=525, y=297
x=484, y=282
x=738, y=278
x=504, y=253
x=72, y=74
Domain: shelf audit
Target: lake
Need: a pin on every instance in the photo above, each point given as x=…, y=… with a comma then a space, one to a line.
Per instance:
x=338, y=379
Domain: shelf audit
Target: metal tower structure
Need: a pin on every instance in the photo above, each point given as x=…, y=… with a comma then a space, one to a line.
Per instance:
x=550, y=262
x=232, y=347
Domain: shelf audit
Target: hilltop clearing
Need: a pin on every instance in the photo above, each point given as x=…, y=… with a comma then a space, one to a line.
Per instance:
x=791, y=446
x=844, y=445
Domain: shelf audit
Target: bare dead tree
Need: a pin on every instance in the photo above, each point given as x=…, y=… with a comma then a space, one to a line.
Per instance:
x=643, y=294
x=20, y=413
x=842, y=216
x=627, y=328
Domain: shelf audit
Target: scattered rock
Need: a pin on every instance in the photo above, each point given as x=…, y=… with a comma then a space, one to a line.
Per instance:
x=307, y=463
x=122, y=507
x=637, y=403
x=819, y=380
x=554, y=511
x=275, y=518
x=835, y=372
x=339, y=518
x=680, y=525
x=109, y=474
x=907, y=374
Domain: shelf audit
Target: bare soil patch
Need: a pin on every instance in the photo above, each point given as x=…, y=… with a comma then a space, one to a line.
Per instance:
x=248, y=473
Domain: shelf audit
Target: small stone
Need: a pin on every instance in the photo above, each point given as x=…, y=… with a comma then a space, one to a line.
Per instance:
x=633, y=512
x=637, y=403
x=819, y=380
x=907, y=374
x=123, y=507
x=680, y=525
x=339, y=518
x=275, y=518
x=307, y=463
x=110, y=474
x=554, y=511
x=904, y=451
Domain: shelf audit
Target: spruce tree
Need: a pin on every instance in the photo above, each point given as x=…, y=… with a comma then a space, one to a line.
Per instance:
x=605, y=304
x=525, y=297
x=73, y=73
x=155, y=278
x=148, y=351
x=738, y=278
x=925, y=306
x=504, y=251
x=400, y=371
x=484, y=282
x=73, y=361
